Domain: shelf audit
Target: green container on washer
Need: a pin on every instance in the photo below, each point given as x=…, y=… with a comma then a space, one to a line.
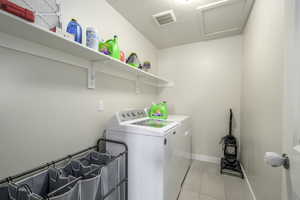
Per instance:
x=159, y=111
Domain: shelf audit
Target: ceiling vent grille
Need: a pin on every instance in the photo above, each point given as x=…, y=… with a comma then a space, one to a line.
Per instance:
x=164, y=18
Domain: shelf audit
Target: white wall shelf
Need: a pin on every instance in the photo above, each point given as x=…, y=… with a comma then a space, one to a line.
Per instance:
x=23, y=36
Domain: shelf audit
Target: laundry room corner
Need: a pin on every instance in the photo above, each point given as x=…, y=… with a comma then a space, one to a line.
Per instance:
x=149, y=100
x=207, y=78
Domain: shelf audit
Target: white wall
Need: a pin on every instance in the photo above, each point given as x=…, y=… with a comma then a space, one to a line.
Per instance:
x=261, y=121
x=291, y=126
x=46, y=110
x=207, y=77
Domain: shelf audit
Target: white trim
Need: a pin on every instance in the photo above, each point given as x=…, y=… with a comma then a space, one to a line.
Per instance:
x=206, y=158
x=214, y=4
x=212, y=159
x=203, y=9
x=248, y=183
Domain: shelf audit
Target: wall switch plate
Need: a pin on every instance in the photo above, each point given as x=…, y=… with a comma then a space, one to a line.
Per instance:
x=100, y=106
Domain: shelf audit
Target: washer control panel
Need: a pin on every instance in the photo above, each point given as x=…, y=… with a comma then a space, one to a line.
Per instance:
x=131, y=115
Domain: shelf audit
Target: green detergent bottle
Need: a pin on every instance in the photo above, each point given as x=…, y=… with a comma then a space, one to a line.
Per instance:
x=159, y=111
x=113, y=48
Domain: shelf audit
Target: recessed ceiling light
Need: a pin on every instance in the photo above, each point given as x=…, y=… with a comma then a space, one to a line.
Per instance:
x=185, y=1
x=220, y=2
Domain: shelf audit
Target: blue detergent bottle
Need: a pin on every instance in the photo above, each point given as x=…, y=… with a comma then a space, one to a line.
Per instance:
x=75, y=29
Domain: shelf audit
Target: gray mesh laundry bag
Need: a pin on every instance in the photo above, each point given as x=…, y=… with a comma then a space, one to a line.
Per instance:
x=71, y=193
x=118, y=151
x=90, y=182
x=96, y=158
x=122, y=175
x=23, y=192
x=112, y=175
x=4, y=193
x=109, y=175
x=76, y=169
x=118, y=194
x=39, y=186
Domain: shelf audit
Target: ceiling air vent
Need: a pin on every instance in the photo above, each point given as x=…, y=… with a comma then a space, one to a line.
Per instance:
x=164, y=18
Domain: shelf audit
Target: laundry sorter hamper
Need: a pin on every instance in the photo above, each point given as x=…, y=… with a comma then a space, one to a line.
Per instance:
x=96, y=173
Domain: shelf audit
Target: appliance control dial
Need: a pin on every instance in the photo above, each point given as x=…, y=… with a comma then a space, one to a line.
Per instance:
x=132, y=114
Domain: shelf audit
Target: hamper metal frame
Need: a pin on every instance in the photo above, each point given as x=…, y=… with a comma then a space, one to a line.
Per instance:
x=98, y=148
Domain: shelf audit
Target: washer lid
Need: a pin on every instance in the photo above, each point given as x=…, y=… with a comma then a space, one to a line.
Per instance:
x=146, y=126
x=154, y=123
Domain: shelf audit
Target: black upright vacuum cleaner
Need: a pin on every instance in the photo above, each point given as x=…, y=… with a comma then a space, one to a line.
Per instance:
x=229, y=163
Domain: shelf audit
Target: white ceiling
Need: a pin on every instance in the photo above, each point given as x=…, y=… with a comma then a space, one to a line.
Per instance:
x=216, y=18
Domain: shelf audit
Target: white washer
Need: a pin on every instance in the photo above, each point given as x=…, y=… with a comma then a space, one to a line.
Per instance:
x=159, y=153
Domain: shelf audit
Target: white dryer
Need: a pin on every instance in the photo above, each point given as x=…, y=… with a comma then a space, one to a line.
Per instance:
x=159, y=153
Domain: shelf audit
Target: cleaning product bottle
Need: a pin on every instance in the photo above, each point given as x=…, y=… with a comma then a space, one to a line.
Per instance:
x=159, y=111
x=75, y=29
x=133, y=60
x=122, y=56
x=164, y=110
x=104, y=48
x=114, y=48
x=92, y=38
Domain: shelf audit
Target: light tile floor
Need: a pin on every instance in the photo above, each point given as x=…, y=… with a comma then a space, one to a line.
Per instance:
x=204, y=182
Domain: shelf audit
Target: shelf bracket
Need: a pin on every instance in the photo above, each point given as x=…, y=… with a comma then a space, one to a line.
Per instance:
x=170, y=84
x=91, y=76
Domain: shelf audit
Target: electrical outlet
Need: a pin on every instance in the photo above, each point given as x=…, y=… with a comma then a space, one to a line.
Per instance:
x=100, y=106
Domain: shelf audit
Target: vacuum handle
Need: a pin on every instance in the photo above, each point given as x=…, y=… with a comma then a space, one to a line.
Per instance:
x=230, y=122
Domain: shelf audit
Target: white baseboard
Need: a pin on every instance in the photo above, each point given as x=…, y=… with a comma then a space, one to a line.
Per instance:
x=248, y=183
x=216, y=160
x=206, y=158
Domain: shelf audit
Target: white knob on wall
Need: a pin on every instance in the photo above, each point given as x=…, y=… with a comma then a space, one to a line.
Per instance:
x=276, y=160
